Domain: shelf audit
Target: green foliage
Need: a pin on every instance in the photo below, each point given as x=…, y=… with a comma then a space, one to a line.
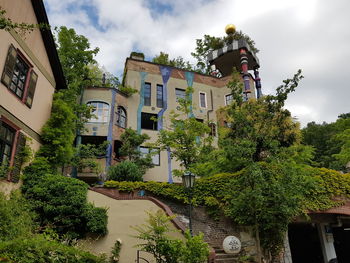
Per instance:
x=4, y=169
x=7, y=24
x=15, y=217
x=37, y=249
x=61, y=202
x=179, y=62
x=127, y=90
x=85, y=157
x=331, y=142
x=137, y=54
x=58, y=133
x=100, y=77
x=187, y=138
x=168, y=250
x=116, y=251
x=74, y=53
x=125, y=171
x=259, y=129
x=210, y=43
x=194, y=250
x=131, y=142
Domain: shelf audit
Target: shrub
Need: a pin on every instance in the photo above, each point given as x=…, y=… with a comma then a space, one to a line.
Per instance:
x=96, y=219
x=15, y=217
x=40, y=250
x=156, y=240
x=125, y=171
x=61, y=202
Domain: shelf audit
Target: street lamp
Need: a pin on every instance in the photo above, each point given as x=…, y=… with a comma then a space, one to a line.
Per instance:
x=188, y=182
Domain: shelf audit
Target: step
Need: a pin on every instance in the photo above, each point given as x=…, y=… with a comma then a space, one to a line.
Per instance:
x=226, y=260
x=224, y=255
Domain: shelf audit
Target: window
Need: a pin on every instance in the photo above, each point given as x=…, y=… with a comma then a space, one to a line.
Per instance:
x=147, y=94
x=203, y=100
x=212, y=127
x=200, y=120
x=228, y=99
x=100, y=110
x=18, y=76
x=155, y=154
x=120, y=119
x=160, y=96
x=148, y=121
x=7, y=135
x=180, y=94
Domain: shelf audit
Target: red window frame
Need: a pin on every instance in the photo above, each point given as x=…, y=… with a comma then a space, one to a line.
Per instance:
x=31, y=77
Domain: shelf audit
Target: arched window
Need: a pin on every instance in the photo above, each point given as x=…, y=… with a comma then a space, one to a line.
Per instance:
x=100, y=111
x=120, y=119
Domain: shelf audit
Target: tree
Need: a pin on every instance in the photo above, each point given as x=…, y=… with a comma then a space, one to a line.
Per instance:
x=186, y=137
x=179, y=62
x=329, y=140
x=261, y=138
x=258, y=129
x=210, y=43
x=131, y=142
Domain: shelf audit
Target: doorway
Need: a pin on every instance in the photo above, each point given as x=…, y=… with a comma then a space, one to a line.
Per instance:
x=304, y=243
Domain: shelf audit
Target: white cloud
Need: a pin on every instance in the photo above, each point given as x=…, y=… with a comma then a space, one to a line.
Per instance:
x=291, y=34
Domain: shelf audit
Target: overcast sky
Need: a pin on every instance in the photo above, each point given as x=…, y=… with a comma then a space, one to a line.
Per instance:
x=312, y=35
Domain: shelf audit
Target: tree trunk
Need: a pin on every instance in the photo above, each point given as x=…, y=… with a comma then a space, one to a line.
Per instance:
x=257, y=237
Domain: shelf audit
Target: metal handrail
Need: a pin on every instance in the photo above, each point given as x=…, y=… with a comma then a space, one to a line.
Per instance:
x=140, y=258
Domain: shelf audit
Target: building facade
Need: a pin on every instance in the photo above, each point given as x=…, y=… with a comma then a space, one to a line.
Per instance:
x=30, y=74
x=159, y=87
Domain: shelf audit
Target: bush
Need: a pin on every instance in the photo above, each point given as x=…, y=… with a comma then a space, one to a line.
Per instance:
x=61, y=202
x=125, y=171
x=40, y=250
x=96, y=219
x=15, y=217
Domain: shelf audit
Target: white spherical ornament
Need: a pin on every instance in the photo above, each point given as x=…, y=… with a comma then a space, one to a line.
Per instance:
x=231, y=245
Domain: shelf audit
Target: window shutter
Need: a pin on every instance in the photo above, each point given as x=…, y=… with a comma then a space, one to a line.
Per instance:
x=31, y=88
x=9, y=66
x=17, y=164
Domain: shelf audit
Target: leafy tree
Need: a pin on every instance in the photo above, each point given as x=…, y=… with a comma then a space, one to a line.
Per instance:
x=210, y=43
x=186, y=137
x=166, y=249
x=258, y=129
x=263, y=139
x=330, y=142
x=131, y=142
x=179, y=62
x=75, y=54
x=100, y=77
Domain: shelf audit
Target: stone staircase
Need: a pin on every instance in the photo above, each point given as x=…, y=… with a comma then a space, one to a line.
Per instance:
x=222, y=257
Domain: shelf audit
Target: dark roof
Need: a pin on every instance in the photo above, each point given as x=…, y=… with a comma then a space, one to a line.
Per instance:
x=40, y=13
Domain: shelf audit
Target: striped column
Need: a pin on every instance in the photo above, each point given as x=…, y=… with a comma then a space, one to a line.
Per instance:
x=244, y=65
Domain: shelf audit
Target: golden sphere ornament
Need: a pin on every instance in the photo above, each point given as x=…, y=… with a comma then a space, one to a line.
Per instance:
x=230, y=29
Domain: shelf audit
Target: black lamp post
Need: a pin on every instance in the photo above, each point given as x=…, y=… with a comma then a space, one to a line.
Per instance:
x=188, y=182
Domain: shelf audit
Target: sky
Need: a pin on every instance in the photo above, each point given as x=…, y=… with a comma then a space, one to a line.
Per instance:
x=311, y=35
